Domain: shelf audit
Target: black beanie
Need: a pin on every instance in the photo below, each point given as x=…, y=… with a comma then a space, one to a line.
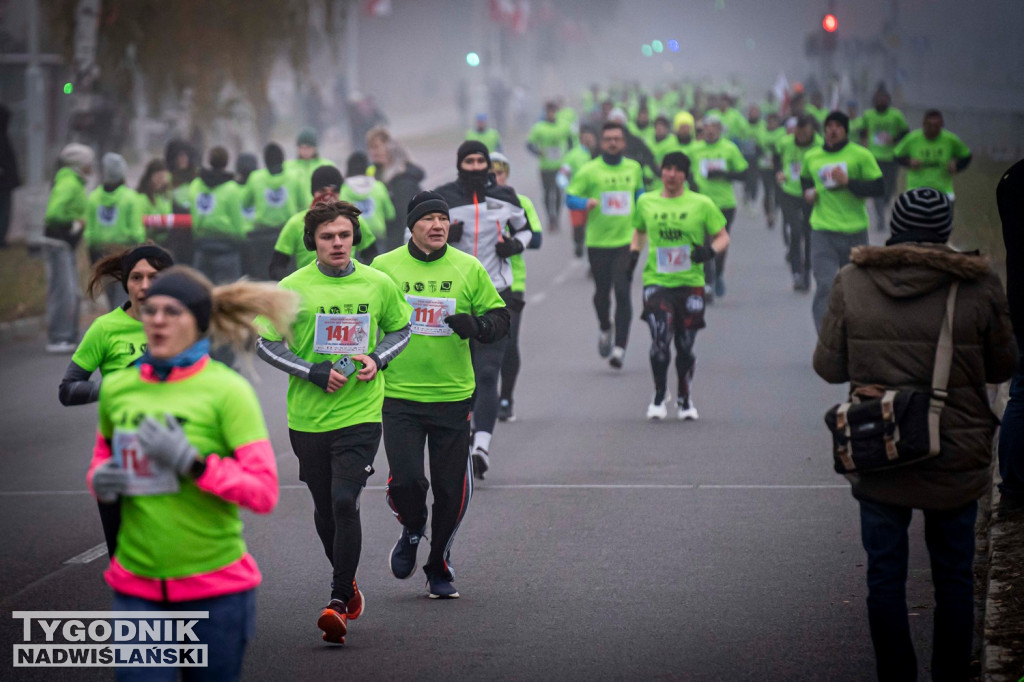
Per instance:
x=424, y=203
x=840, y=118
x=472, y=147
x=273, y=155
x=925, y=212
x=154, y=255
x=326, y=176
x=192, y=294
x=357, y=164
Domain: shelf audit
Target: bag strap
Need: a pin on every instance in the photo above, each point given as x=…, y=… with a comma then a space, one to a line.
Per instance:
x=940, y=374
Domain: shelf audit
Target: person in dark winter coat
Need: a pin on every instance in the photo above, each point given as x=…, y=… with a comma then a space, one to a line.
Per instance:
x=9, y=178
x=881, y=328
x=1010, y=197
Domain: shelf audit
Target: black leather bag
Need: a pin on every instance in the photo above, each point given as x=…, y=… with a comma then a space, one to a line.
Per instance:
x=880, y=429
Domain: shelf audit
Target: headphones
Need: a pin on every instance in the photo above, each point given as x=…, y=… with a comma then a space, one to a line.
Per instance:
x=309, y=241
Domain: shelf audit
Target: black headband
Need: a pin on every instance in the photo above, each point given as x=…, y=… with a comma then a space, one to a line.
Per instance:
x=192, y=294
x=153, y=255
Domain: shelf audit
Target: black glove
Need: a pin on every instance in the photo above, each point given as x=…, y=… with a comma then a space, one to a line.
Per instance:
x=716, y=175
x=455, y=231
x=634, y=258
x=320, y=373
x=700, y=253
x=509, y=247
x=463, y=324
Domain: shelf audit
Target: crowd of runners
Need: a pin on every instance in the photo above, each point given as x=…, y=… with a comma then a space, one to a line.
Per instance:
x=396, y=310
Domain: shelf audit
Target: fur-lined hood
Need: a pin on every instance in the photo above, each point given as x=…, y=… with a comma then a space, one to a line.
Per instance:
x=914, y=269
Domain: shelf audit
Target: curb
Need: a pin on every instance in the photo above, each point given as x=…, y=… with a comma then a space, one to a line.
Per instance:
x=22, y=328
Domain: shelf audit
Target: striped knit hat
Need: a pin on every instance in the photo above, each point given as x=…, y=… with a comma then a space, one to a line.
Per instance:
x=925, y=212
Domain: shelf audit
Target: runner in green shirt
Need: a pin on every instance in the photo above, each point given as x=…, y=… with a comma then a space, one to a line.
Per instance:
x=548, y=141
x=571, y=164
x=769, y=132
x=607, y=187
x=884, y=126
x=717, y=163
x=335, y=392
x=796, y=212
x=290, y=246
x=218, y=229
x=836, y=179
x=484, y=133
x=368, y=194
x=932, y=155
x=112, y=221
x=301, y=168
x=113, y=342
x=429, y=390
x=684, y=229
x=510, y=362
x=271, y=194
x=154, y=197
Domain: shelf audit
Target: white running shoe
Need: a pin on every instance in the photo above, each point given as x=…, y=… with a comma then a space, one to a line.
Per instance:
x=659, y=411
x=618, y=355
x=686, y=410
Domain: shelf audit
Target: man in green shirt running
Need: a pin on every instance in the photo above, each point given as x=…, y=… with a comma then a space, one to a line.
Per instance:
x=548, y=141
x=429, y=392
x=218, y=228
x=608, y=188
x=484, y=133
x=884, y=126
x=932, y=155
x=333, y=357
x=301, y=168
x=836, y=179
x=796, y=212
x=677, y=224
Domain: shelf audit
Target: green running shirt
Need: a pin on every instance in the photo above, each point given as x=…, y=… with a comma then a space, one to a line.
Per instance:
x=673, y=226
x=609, y=224
x=837, y=209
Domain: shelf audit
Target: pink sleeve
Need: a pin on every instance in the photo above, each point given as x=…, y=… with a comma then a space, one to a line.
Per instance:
x=100, y=454
x=248, y=479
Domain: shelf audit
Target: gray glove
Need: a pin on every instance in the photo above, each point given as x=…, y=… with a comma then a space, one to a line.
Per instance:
x=168, y=445
x=109, y=481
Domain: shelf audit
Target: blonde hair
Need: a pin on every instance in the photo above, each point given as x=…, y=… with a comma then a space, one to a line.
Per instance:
x=234, y=308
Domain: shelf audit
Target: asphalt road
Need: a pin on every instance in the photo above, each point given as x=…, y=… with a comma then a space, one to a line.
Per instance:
x=600, y=546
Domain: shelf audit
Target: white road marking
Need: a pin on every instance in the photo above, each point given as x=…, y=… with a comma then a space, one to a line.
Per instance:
x=89, y=555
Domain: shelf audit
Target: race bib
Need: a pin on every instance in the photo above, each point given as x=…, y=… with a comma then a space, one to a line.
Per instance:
x=276, y=198
x=794, y=170
x=428, y=315
x=615, y=203
x=341, y=334
x=552, y=153
x=106, y=215
x=205, y=203
x=145, y=476
x=882, y=138
x=367, y=207
x=827, y=174
x=708, y=165
x=673, y=259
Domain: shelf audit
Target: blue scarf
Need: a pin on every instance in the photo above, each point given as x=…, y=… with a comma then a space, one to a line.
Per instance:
x=162, y=366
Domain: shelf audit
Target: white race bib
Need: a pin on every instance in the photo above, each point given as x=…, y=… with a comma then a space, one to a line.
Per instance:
x=106, y=215
x=827, y=174
x=882, y=139
x=341, y=334
x=145, y=477
x=794, y=170
x=615, y=203
x=708, y=165
x=205, y=203
x=552, y=153
x=673, y=259
x=428, y=315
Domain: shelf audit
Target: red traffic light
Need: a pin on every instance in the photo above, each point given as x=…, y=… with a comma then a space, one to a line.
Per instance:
x=830, y=23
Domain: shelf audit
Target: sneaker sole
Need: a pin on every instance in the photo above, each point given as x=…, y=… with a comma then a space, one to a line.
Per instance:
x=443, y=596
x=333, y=626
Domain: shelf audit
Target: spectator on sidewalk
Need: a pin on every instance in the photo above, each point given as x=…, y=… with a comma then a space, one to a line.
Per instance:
x=1010, y=197
x=9, y=178
x=881, y=328
x=63, y=226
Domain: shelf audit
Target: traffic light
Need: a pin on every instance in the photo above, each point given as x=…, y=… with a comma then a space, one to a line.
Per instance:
x=473, y=59
x=830, y=37
x=830, y=23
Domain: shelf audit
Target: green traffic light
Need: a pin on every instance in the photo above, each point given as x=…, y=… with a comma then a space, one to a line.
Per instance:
x=473, y=59
x=68, y=88
x=657, y=46
x=647, y=50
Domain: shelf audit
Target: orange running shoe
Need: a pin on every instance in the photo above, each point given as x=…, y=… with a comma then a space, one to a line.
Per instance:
x=334, y=622
x=354, y=609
